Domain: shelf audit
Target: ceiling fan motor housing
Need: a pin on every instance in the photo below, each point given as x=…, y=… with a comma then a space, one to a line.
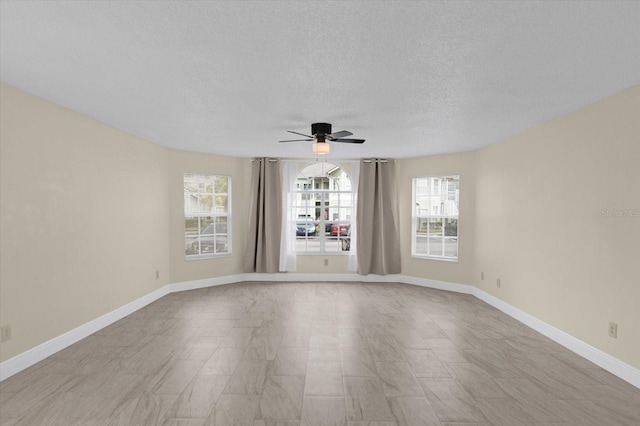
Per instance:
x=321, y=129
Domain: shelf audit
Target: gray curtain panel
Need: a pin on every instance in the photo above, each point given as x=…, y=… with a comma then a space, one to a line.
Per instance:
x=378, y=236
x=262, y=251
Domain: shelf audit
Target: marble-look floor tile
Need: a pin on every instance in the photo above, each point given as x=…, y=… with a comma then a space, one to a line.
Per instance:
x=504, y=411
x=184, y=422
x=289, y=361
x=223, y=362
x=323, y=411
x=329, y=354
x=238, y=337
x=296, y=336
x=282, y=398
x=248, y=378
x=243, y=354
x=324, y=379
x=383, y=349
x=410, y=411
x=199, y=398
x=358, y=362
x=175, y=376
x=237, y=410
x=398, y=379
x=147, y=409
x=476, y=381
x=365, y=400
x=450, y=402
x=424, y=363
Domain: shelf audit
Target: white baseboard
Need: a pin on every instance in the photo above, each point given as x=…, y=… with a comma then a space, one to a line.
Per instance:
x=613, y=365
x=36, y=354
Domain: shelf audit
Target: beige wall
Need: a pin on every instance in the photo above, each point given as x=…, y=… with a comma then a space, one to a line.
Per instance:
x=462, y=164
x=539, y=223
x=89, y=213
x=83, y=219
x=240, y=171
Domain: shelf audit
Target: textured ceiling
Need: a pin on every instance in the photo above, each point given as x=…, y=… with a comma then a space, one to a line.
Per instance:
x=412, y=78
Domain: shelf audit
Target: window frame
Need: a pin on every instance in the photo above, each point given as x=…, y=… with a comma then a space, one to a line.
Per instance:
x=415, y=216
x=213, y=215
x=306, y=198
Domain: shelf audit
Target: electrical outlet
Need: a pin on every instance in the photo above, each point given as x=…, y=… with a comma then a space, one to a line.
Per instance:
x=326, y=262
x=5, y=333
x=157, y=275
x=613, y=330
x=498, y=283
x=482, y=276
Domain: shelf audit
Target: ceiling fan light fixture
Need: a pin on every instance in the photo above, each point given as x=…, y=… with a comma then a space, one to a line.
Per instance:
x=321, y=148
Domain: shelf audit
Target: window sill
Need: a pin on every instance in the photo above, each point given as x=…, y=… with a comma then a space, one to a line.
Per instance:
x=438, y=258
x=192, y=257
x=333, y=253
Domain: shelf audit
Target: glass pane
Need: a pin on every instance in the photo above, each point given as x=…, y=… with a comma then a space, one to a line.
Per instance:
x=191, y=182
x=305, y=226
x=205, y=183
x=206, y=204
x=435, y=246
x=346, y=200
x=221, y=243
x=345, y=243
x=435, y=226
x=451, y=247
x=345, y=214
x=451, y=228
x=422, y=226
x=332, y=244
x=422, y=205
x=191, y=243
x=421, y=186
x=221, y=184
x=221, y=204
x=301, y=244
x=221, y=225
x=421, y=245
x=339, y=229
x=313, y=244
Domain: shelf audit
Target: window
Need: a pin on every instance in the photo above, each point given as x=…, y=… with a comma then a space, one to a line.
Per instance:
x=435, y=219
x=323, y=205
x=207, y=215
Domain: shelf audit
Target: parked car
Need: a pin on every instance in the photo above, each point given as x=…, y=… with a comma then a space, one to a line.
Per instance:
x=208, y=241
x=305, y=226
x=339, y=229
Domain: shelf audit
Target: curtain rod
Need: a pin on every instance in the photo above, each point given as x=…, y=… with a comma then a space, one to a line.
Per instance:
x=366, y=160
x=377, y=160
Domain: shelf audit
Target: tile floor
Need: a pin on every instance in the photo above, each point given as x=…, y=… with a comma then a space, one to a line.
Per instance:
x=317, y=354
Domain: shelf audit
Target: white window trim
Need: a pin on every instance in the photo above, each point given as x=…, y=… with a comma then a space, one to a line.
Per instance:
x=415, y=216
x=228, y=215
x=322, y=237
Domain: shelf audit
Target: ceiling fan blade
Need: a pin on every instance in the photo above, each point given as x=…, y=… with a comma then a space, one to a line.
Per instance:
x=301, y=134
x=340, y=134
x=349, y=140
x=298, y=140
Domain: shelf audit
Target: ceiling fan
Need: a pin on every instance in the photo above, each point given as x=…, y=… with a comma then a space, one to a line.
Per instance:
x=321, y=134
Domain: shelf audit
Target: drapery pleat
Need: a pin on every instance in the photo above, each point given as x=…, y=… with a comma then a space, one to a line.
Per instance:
x=378, y=239
x=288, y=258
x=353, y=249
x=262, y=251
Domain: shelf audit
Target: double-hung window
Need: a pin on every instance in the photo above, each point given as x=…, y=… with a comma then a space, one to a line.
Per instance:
x=207, y=215
x=435, y=217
